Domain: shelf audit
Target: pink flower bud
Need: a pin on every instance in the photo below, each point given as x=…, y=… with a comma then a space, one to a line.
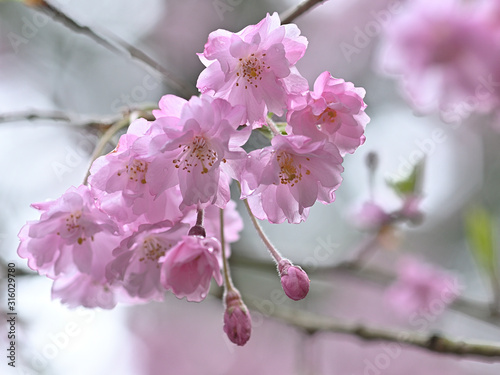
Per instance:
x=294, y=280
x=237, y=321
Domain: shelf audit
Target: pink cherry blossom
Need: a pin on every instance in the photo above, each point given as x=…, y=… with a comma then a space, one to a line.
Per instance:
x=84, y=290
x=64, y=238
x=254, y=67
x=334, y=109
x=283, y=180
x=421, y=288
x=189, y=266
x=446, y=56
x=122, y=169
x=136, y=265
x=201, y=155
x=170, y=107
x=371, y=216
x=118, y=179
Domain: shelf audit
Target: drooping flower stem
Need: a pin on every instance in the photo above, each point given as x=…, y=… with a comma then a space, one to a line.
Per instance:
x=273, y=126
x=274, y=252
x=199, y=218
x=228, y=282
x=198, y=229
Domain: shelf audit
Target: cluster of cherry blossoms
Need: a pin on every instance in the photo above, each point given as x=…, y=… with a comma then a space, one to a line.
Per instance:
x=156, y=213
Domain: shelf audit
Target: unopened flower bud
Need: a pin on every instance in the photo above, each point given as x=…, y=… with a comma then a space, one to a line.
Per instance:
x=294, y=280
x=237, y=321
x=197, y=230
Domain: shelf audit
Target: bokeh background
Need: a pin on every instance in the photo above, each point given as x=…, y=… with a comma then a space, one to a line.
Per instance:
x=45, y=66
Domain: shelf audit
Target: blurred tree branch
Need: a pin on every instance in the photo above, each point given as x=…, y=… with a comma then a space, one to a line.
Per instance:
x=313, y=323
x=291, y=14
x=101, y=123
x=474, y=309
x=60, y=117
x=117, y=45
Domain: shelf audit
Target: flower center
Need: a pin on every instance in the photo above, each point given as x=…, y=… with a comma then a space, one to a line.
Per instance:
x=328, y=116
x=74, y=227
x=251, y=70
x=196, y=154
x=136, y=171
x=290, y=173
x=152, y=249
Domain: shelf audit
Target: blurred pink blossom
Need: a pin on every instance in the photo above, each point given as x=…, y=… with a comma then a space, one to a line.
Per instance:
x=446, y=56
x=420, y=287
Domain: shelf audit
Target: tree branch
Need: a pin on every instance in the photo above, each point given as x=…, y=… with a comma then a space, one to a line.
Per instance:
x=117, y=45
x=291, y=14
x=312, y=323
x=59, y=117
x=474, y=309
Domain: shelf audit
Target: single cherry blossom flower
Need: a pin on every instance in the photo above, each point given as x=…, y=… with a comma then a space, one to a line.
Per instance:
x=254, y=67
x=371, y=216
x=201, y=155
x=421, y=288
x=81, y=289
x=64, y=238
x=283, y=180
x=136, y=265
x=188, y=267
x=335, y=110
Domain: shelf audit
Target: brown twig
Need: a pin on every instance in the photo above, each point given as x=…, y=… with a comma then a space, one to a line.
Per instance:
x=117, y=45
x=59, y=117
x=291, y=14
x=312, y=323
x=474, y=309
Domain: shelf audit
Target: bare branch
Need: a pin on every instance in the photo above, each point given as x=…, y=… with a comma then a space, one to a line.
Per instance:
x=474, y=309
x=291, y=14
x=312, y=323
x=59, y=117
x=117, y=45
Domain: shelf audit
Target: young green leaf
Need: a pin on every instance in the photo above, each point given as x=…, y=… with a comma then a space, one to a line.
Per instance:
x=410, y=185
x=479, y=226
